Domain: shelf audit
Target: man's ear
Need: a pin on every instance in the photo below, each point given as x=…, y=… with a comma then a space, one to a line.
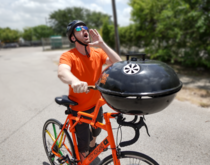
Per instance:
x=73, y=38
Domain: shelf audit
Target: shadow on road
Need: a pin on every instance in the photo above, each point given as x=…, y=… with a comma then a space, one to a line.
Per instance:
x=45, y=163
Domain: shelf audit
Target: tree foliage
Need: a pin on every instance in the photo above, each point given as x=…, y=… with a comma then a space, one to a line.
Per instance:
x=37, y=32
x=173, y=30
x=28, y=33
x=42, y=31
x=8, y=35
x=59, y=19
x=129, y=36
x=108, y=33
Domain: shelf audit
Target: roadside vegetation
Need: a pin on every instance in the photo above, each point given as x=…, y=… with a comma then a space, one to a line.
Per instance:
x=167, y=30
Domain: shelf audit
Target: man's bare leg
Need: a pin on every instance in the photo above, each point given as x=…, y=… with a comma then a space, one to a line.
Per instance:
x=93, y=142
x=83, y=155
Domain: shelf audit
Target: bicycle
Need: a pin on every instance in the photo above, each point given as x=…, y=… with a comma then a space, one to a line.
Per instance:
x=60, y=148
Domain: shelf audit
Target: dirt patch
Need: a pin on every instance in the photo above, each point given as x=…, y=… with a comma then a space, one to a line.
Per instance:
x=196, y=85
x=200, y=97
x=197, y=72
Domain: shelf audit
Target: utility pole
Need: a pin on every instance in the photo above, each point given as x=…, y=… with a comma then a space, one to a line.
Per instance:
x=46, y=21
x=117, y=40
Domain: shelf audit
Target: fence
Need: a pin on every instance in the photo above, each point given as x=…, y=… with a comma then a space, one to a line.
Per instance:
x=59, y=43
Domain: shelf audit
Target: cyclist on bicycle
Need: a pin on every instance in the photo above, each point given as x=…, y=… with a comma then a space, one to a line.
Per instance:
x=80, y=67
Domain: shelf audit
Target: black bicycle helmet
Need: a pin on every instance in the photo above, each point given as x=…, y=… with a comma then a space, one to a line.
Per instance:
x=71, y=26
x=70, y=31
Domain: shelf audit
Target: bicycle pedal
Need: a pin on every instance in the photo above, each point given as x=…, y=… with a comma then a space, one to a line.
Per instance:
x=51, y=155
x=62, y=159
x=65, y=159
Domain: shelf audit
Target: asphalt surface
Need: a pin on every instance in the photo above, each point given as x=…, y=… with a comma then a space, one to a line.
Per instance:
x=180, y=134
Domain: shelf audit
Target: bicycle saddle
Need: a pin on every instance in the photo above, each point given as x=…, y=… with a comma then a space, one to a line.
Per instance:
x=64, y=100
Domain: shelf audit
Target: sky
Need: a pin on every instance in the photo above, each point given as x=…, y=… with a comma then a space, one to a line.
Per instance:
x=18, y=14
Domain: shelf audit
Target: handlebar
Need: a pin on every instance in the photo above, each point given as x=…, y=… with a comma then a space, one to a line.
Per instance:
x=136, y=126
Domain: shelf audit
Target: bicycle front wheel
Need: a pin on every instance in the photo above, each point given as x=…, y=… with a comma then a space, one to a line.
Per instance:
x=130, y=158
x=64, y=147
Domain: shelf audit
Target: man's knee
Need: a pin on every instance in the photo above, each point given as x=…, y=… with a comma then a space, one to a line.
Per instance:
x=96, y=132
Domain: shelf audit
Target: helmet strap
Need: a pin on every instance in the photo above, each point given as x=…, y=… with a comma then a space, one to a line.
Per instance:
x=88, y=55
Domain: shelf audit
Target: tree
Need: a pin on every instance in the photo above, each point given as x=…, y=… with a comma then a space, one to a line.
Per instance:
x=8, y=35
x=37, y=32
x=42, y=31
x=27, y=33
x=174, y=30
x=59, y=19
x=108, y=33
x=129, y=36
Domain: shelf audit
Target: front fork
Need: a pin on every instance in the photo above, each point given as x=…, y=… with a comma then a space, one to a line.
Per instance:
x=118, y=152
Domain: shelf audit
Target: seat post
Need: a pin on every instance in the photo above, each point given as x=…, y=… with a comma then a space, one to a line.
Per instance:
x=68, y=111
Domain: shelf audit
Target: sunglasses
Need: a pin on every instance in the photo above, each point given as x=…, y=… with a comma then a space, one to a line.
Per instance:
x=79, y=28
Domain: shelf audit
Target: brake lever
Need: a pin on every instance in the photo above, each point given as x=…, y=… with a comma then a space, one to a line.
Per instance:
x=141, y=123
x=135, y=118
x=132, y=121
x=136, y=126
x=144, y=124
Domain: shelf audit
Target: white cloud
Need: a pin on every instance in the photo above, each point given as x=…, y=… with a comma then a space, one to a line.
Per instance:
x=103, y=1
x=122, y=1
x=96, y=7
x=127, y=11
x=18, y=14
x=124, y=16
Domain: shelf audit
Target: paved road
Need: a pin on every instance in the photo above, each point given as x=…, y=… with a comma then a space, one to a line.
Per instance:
x=180, y=135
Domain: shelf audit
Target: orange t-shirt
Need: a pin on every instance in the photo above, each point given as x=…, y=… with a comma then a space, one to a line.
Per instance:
x=87, y=70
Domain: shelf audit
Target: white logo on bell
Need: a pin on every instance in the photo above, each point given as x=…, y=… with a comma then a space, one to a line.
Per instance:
x=131, y=68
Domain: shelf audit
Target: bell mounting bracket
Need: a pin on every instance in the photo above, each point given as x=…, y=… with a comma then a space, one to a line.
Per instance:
x=143, y=55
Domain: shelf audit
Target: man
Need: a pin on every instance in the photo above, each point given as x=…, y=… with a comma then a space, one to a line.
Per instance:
x=80, y=67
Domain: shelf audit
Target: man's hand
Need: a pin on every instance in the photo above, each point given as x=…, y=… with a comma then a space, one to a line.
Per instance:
x=80, y=87
x=97, y=40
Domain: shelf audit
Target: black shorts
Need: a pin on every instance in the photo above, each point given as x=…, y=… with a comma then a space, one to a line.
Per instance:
x=84, y=135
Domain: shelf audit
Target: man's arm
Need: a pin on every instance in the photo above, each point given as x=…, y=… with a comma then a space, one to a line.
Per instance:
x=66, y=76
x=98, y=42
x=113, y=56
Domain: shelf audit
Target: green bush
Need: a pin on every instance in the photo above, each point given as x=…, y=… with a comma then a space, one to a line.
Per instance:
x=169, y=30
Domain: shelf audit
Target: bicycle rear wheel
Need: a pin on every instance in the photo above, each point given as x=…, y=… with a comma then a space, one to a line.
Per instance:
x=63, y=147
x=130, y=158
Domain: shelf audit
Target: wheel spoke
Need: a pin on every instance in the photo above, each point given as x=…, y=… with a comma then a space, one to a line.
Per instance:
x=62, y=148
x=55, y=133
x=50, y=135
x=61, y=140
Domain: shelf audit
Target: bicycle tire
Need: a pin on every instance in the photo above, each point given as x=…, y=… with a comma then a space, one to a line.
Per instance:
x=130, y=158
x=52, y=128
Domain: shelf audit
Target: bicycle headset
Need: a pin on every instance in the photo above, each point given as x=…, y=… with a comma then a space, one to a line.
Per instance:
x=70, y=31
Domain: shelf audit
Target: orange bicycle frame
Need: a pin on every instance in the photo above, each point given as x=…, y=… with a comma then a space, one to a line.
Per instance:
x=109, y=140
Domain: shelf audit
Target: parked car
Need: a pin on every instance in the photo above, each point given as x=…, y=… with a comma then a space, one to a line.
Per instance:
x=10, y=45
